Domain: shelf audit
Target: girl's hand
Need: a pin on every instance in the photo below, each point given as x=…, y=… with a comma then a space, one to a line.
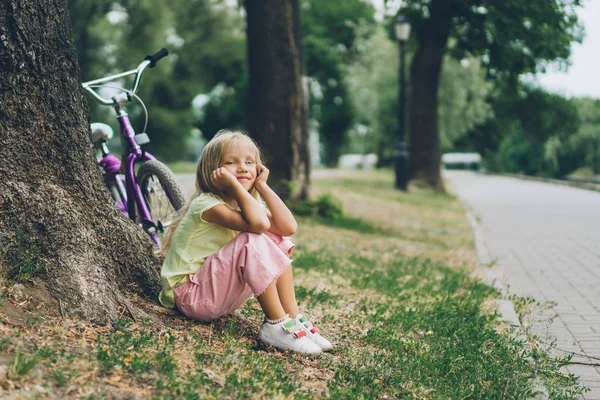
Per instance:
x=262, y=174
x=223, y=179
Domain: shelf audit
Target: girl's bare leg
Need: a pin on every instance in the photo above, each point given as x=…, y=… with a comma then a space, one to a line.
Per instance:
x=270, y=303
x=287, y=294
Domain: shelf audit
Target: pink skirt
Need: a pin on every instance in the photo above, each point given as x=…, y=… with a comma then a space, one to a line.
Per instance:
x=245, y=266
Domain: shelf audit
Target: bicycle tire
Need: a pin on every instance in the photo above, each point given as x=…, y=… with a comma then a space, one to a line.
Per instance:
x=113, y=188
x=156, y=180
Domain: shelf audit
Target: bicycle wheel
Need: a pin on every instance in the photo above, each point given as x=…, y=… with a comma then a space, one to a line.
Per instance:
x=162, y=193
x=116, y=187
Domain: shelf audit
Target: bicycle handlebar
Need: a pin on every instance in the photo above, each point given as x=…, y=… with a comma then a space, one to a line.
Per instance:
x=157, y=56
x=149, y=61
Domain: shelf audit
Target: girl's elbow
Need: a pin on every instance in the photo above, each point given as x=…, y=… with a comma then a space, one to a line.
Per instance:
x=291, y=229
x=261, y=227
x=265, y=227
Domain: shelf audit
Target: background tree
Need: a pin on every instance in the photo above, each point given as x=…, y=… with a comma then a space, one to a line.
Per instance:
x=511, y=37
x=372, y=78
x=276, y=94
x=329, y=31
x=54, y=218
x=464, y=100
x=587, y=139
x=90, y=35
x=212, y=64
x=146, y=29
x=529, y=134
x=113, y=37
x=207, y=43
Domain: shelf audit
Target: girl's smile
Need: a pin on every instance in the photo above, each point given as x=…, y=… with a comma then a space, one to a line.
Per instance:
x=239, y=158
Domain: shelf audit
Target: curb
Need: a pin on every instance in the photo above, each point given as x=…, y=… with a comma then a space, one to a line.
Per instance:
x=506, y=308
x=493, y=275
x=579, y=185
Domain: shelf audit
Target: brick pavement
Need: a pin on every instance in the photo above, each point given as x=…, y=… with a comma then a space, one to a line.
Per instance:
x=545, y=240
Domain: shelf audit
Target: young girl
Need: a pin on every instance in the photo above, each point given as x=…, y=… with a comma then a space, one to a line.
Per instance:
x=227, y=245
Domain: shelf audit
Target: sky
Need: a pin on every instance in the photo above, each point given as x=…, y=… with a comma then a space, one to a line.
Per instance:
x=583, y=76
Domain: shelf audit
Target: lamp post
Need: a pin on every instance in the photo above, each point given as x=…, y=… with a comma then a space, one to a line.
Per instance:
x=402, y=32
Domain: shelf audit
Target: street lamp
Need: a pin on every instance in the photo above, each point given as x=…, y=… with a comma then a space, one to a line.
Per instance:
x=402, y=32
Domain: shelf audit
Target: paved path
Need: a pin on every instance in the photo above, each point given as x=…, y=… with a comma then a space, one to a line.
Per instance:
x=546, y=241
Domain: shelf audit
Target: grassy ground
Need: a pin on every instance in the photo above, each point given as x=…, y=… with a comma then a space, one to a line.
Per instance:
x=393, y=282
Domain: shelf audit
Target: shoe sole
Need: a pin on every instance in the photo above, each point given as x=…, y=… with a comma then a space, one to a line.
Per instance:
x=269, y=347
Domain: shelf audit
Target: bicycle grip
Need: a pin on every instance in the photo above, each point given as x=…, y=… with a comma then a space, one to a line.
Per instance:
x=157, y=56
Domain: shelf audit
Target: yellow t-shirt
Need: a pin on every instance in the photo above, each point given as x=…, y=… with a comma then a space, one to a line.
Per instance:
x=193, y=241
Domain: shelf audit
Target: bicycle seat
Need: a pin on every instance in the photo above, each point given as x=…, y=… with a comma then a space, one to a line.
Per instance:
x=101, y=132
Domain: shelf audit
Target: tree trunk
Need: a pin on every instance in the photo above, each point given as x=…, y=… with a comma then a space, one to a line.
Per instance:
x=276, y=98
x=55, y=211
x=425, y=81
x=304, y=168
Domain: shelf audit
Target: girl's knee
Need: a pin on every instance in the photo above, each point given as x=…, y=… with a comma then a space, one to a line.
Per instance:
x=266, y=241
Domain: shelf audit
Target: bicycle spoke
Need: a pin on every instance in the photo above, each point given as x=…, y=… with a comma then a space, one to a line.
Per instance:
x=161, y=209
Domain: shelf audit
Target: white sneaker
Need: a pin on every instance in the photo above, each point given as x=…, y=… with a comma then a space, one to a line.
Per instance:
x=313, y=333
x=287, y=335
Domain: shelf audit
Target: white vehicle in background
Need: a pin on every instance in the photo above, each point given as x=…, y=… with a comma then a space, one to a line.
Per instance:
x=462, y=161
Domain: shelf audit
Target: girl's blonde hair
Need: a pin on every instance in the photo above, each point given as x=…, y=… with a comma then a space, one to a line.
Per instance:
x=209, y=160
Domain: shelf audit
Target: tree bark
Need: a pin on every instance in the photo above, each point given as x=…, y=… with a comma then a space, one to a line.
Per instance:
x=304, y=169
x=55, y=210
x=425, y=157
x=276, y=96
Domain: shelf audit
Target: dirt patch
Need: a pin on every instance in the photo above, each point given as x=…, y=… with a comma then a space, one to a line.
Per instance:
x=23, y=301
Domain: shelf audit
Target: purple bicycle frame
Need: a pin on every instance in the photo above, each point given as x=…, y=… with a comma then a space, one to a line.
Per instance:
x=132, y=198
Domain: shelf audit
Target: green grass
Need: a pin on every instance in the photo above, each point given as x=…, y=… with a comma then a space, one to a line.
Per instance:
x=23, y=363
x=355, y=224
x=429, y=336
x=313, y=296
x=380, y=185
x=4, y=344
x=400, y=303
x=328, y=210
x=124, y=348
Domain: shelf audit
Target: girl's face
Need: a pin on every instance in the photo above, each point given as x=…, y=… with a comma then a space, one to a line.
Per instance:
x=240, y=160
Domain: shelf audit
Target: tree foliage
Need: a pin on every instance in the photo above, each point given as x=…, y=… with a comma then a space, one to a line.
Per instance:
x=585, y=144
x=529, y=134
x=464, y=100
x=212, y=63
x=204, y=83
x=329, y=31
x=511, y=38
x=91, y=32
x=207, y=47
x=372, y=78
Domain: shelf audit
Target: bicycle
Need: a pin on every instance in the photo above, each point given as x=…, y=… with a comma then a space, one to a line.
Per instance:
x=152, y=197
